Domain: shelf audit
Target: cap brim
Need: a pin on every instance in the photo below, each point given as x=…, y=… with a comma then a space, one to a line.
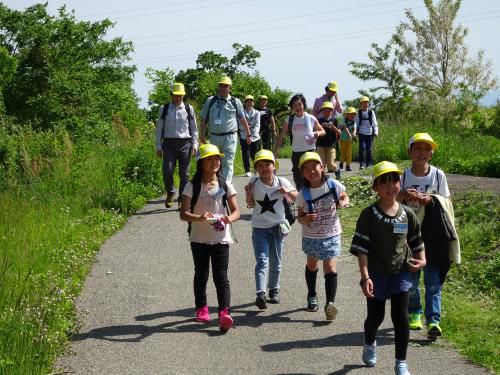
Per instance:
x=276, y=163
x=178, y=93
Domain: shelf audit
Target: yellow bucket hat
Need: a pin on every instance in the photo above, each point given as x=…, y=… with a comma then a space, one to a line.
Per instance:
x=249, y=97
x=327, y=105
x=263, y=97
x=225, y=80
x=308, y=156
x=265, y=155
x=332, y=86
x=350, y=110
x=207, y=150
x=364, y=99
x=178, y=89
x=423, y=137
x=384, y=167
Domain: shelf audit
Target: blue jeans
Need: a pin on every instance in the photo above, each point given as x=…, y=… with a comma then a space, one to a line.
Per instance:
x=268, y=249
x=365, y=149
x=433, y=289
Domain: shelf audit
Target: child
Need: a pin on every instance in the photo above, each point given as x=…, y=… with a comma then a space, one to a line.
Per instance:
x=347, y=135
x=265, y=194
x=326, y=144
x=425, y=189
x=317, y=212
x=366, y=122
x=203, y=204
x=388, y=245
x=248, y=150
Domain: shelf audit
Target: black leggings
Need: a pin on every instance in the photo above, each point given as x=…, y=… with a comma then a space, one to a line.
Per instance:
x=399, y=316
x=219, y=253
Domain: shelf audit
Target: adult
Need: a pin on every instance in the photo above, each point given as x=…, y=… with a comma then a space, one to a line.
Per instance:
x=248, y=151
x=304, y=129
x=267, y=123
x=330, y=95
x=220, y=115
x=367, y=125
x=176, y=140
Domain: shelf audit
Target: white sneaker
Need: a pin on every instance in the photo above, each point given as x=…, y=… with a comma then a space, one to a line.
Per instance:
x=370, y=354
x=401, y=368
x=248, y=174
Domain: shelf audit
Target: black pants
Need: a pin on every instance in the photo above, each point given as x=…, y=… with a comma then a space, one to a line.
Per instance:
x=266, y=138
x=399, y=316
x=248, y=151
x=219, y=254
x=298, y=179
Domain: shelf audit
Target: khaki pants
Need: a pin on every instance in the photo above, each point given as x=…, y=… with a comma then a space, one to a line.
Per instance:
x=327, y=155
x=346, y=152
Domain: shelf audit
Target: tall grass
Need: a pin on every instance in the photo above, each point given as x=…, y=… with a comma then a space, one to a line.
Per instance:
x=51, y=226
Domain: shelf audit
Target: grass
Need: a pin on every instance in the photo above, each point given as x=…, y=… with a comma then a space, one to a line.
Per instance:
x=471, y=303
x=50, y=230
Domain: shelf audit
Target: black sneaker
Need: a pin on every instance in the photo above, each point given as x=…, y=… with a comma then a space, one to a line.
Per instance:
x=260, y=301
x=337, y=174
x=361, y=167
x=341, y=165
x=348, y=169
x=274, y=296
x=312, y=304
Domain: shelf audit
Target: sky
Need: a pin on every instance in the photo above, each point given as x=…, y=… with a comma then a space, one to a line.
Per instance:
x=303, y=45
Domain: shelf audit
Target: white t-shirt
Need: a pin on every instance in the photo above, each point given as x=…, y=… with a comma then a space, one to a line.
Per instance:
x=302, y=127
x=209, y=200
x=327, y=223
x=433, y=183
x=269, y=210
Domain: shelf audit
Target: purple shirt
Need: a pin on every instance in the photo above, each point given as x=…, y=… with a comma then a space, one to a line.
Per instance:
x=337, y=107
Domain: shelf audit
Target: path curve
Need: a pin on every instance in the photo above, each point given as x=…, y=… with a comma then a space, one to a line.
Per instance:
x=136, y=310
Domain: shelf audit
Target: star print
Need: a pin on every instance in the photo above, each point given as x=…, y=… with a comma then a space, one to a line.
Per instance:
x=267, y=204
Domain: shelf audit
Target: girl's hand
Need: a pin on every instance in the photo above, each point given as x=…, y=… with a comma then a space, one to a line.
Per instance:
x=368, y=288
x=416, y=264
x=205, y=216
x=225, y=219
x=308, y=218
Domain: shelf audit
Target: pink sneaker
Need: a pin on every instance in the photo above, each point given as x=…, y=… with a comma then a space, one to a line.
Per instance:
x=225, y=320
x=202, y=314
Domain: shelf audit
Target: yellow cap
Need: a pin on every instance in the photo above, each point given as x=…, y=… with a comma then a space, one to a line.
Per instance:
x=332, y=86
x=364, y=99
x=327, y=105
x=249, y=97
x=178, y=89
x=207, y=150
x=265, y=155
x=350, y=110
x=384, y=167
x=308, y=156
x=423, y=137
x=263, y=97
x=225, y=80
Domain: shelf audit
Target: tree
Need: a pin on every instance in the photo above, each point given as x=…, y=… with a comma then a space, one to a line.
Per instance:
x=428, y=59
x=66, y=73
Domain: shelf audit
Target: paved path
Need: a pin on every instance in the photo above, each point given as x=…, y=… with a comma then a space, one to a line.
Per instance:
x=137, y=313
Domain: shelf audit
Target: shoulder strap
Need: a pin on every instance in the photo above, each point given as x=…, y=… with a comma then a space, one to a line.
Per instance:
x=212, y=101
x=223, y=185
x=194, y=198
x=233, y=102
x=290, y=124
x=306, y=193
x=332, y=185
x=370, y=117
x=404, y=178
x=165, y=111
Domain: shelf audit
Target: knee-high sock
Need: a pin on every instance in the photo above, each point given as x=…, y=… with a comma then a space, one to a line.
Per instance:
x=311, y=282
x=330, y=286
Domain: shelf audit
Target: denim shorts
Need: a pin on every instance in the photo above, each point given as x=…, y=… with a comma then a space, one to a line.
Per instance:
x=322, y=248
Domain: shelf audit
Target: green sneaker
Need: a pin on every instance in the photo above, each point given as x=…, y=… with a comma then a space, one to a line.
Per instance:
x=433, y=331
x=415, y=323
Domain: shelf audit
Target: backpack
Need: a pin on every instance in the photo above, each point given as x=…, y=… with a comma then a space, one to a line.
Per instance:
x=196, y=193
x=306, y=193
x=188, y=110
x=370, y=118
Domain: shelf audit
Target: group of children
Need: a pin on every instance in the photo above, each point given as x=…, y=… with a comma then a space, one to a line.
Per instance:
x=388, y=240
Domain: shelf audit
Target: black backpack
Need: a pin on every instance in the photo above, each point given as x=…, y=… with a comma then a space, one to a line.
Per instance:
x=196, y=193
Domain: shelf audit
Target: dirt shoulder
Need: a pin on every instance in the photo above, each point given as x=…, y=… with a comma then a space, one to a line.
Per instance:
x=460, y=183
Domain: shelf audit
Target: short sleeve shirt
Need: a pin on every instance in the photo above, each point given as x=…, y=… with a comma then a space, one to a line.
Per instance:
x=432, y=183
x=209, y=200
x=265, y=119
x=269, y=210
x=330, y=138
x=386, y=240
x=302, y=127
x=223, y=115
x=327, y=223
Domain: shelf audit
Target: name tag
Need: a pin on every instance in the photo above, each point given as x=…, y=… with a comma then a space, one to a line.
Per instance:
x=218, y=121
x=400, y=228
